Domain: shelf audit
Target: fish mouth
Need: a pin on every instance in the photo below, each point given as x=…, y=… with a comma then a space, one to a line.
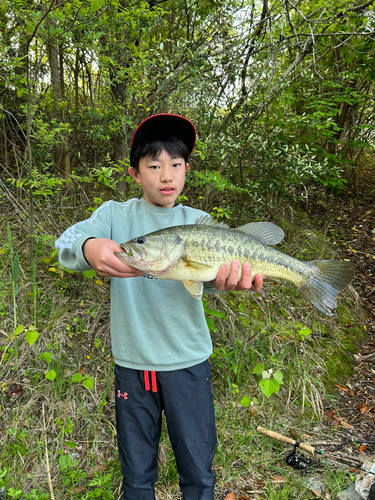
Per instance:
x=137, y=257
x=133, y=255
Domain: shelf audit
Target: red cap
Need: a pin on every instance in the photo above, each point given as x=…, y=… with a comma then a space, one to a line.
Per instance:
x=165, y=124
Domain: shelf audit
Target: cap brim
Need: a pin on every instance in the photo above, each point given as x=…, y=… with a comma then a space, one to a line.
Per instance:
x=165, y=124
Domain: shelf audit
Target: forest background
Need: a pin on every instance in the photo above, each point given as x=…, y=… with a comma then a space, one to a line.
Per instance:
x=282, y=97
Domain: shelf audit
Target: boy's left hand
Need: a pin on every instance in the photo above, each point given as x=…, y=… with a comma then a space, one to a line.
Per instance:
x=232, y=283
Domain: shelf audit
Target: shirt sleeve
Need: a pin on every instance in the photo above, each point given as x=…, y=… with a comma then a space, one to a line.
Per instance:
x=69, y=245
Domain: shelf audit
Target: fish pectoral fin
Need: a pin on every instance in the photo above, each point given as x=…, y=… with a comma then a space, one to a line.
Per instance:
x=195, y=288
x=196, y=265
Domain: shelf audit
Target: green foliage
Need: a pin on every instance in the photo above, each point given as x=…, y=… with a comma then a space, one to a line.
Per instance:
x=304, y=332
x=14, y=493
x=307, y=121
x=211, y=312
x=36, y=494
x=86, y=380
x=270, y=381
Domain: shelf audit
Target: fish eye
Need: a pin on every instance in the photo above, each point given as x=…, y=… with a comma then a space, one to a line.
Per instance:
x=141, y=240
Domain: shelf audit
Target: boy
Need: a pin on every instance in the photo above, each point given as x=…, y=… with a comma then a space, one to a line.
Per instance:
x=160, y=340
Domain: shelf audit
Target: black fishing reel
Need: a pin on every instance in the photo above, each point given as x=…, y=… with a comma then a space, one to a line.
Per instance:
x=298, y=462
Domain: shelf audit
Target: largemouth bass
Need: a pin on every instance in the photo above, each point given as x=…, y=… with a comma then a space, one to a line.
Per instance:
x=194, y=253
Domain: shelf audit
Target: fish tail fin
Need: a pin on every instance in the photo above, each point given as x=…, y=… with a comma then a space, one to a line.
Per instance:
x=322, y=288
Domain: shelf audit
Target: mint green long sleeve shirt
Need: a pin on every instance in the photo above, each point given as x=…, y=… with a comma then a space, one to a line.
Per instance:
x=155, y=324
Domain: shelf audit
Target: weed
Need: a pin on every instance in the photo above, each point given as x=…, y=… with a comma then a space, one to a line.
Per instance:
x=101, y=485
x=36, y=494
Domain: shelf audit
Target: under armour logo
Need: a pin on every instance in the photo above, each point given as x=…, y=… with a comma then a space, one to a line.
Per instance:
x=122, y=395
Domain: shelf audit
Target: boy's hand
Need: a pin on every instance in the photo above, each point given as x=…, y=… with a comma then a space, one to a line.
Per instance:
x=100, y=254
x=232, y=283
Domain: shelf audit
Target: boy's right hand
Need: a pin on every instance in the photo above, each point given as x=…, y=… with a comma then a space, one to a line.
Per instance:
x=100, y=254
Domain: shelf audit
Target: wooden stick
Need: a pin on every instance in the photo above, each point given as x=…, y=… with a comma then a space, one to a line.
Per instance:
x=47, y=459
x=285, y=439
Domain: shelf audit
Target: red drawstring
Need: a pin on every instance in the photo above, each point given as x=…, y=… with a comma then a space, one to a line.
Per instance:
x=153, y=381
x=147, y=381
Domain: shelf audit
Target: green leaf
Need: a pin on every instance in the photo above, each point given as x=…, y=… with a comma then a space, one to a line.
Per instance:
x=50, y=375
x=217, y=314
x=89, y=274
x=15, y=268
x=46, y=356
x=20, y=329
x=88, y=382
x=19, y=92
x=77, y=378
x=278, y=376
x=32, y=336
x=259, y=369
x=245, y=401
x=65, y=461
x=304, y=332
x=269, y=386
x=71, y=444
x=96, y=5
x=210, y=324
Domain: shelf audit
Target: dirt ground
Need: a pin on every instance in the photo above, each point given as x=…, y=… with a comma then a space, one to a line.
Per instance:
x=352, y=225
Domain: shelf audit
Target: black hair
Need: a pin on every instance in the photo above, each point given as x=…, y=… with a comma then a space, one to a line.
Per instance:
x=152, y=148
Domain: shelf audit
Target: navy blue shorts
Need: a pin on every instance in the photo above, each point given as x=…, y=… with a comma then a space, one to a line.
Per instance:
x=187, y=400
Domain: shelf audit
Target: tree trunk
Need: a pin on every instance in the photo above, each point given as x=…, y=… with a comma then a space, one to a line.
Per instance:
x=55, y=60
x=119, y=94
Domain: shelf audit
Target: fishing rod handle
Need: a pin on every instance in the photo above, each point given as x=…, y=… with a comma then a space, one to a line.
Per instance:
x=285, y=439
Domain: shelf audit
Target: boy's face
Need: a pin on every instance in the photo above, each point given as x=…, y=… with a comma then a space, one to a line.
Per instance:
x=162, y=178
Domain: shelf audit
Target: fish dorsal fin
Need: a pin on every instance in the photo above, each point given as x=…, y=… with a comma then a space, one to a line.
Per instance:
x=267, y=232
x=206, y=220
x=196, y=265
x=195, y=288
